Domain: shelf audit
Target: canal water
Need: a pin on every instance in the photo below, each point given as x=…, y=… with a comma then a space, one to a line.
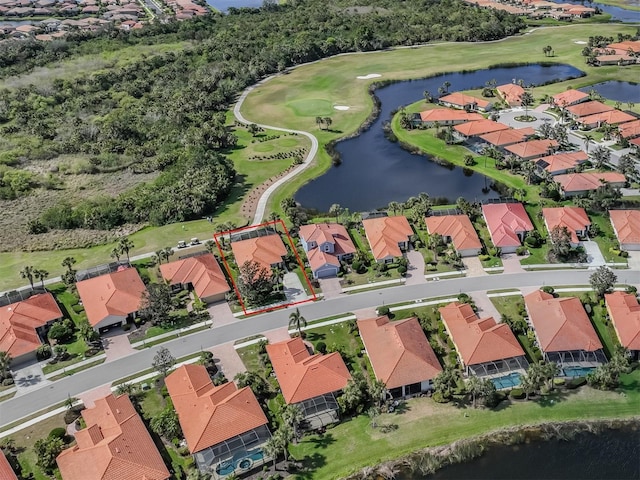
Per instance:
x=375, y=171
x=616, y=90
x=612, y=454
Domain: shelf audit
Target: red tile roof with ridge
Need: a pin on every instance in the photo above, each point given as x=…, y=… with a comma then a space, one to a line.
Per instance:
x=448, y=115
x=119, y=293
x=533, y=148
x=303, y=376
x=561, y=324
x=115, y=446
x=504, y=221
x=580, y=182
x=18, y=323
x=561, y=162
x=399, y=351
x=508, y=137
x=462, y=99
x=569, y=97
x=574, y=218
x=626, y=224
x=208, y=414
x=6, y=472
x=624, y=311
x=385, y=233
x=478, y=340
x=612, y=117
x=458, y=227
x=511, y=93
x=588, y=108
x=480, y=127
x=630, y=129
x=203, y=272
x=265, y=251
x=329, y=232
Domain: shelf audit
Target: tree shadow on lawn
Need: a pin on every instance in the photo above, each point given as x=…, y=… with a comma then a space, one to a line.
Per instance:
x=315, y=337
x=322, y=441
x=310, y=464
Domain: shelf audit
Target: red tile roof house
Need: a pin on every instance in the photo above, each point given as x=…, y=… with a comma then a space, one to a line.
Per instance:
x=24, y=324
x=267, y=251
x=6, y=472
x=508, y=224
x=569, y=98
x=510, y=93
x=626, y=224
x=201, y=273
x=465, y=102
x=224, y=426
x=630, y=129
x=113, y=299
x=563, y=162
x=478, y=128
x=457, y=229
x=588, y=108
x=400, y=355
x=612, y=117
x=326, y=245
x=503, y=138
x=388, y=237
x=309, y=381
x=575, y=219
x=115, y=445
x=446, y=117
x=532, y=149
x=563, y=331
x=624, y=313
x=484, y=346
x=573, y=184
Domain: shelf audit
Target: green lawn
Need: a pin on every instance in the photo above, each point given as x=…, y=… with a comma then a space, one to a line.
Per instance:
x=354, y=444
x=339, y=337
x=512, y=306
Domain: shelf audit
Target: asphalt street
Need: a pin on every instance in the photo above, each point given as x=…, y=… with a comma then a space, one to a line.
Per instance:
x=18, y=407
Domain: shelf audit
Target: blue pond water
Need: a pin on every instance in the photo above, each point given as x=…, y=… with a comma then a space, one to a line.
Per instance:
x=508, y=381
x=616, y=90
x=375, y=171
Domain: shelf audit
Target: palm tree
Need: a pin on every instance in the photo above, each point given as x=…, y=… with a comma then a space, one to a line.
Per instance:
x=5, y=362
x=328, y=122
x=393, y=207
x=158, y=256
x=377, y=392
x=297, y=321
x=319, y=122
x=167, y=252
x=293, y=416
x=27, y=273
x=272, y=448
x=475, y=387
x=336, y=210
x=115, y=253
x=427, y=96
x=588, y=138
x=125, y=246
x=549, y=371
x=41, y=275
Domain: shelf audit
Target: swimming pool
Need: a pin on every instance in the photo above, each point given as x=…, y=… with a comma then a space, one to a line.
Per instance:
x=508, y=381
x=573, y=372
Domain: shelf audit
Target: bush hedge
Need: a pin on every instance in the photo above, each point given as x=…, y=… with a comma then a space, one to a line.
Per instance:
x=517, y=393
x=576, y=382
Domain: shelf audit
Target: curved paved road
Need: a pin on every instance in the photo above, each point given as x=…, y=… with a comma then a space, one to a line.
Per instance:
x=264, y=198
x=28, y=403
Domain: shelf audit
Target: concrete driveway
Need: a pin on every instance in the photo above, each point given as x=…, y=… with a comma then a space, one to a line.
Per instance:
x=594, y=255
x=330, y=287
x=473, y=266
x=509, y=118
x=29, y=378
x=415, y=270
x=293, y=289
x=221, y=314
x=116, y=345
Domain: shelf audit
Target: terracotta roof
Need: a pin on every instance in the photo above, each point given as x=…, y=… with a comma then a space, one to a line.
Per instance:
x=265, y=251
x=329, y=232
x=318, y=258
x=399, y=351
x=458, y=227
x=625, y=314
x=504, y=220
x=579, y=182
x=533, y=148
x=561, y=162
x=588, y=108
x=630, y=129
x=462, y=99
x=303, y=376
x=114, y=446
x=6, y=472
x=508, y=137
x=626, y=45
x=118, y=293
x=478, y=340
x=511, y=93
x=561, y=324
x=203, y=272
x=448, y=115
x=612, y=117
x=18, y=323
x=569, y=97
x=209, y=414
x=574, y=218
x=480, y=127
x=615, y=58
x=635, y=141
x=384, y=234
x=626, y=224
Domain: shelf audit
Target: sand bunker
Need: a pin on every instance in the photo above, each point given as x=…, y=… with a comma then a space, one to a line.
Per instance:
x=580, y=42
x=367, y=77
x=341, y=107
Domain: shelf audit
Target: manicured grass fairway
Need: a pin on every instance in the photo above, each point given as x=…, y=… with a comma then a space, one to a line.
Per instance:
x=354, y=444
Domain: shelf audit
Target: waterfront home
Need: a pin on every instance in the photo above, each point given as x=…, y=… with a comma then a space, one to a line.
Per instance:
x=465, y=102
x=484, y=346
x=508, y=224
x=562, y=162
x=24, y=325
x=400, y=355
x=478, y=128
x=388, y=237
x=629, y=129
x=611, y=117
x=446, y=117
x=504, y=138
x=588, y=108
x=224, y=426
x=569, y=98
x=624, y=312
x=617, y=59
x=114, y=444
x=511, y=93
x=326, y=245
x=267, y=251
x=200, y=273
x=112, y=299
x=308, y=380
x=625, y=46
x=532, y=149
x=626, y=225
x=457, y=229
x=564, y=332
x=573, y=184
x=574, y=219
